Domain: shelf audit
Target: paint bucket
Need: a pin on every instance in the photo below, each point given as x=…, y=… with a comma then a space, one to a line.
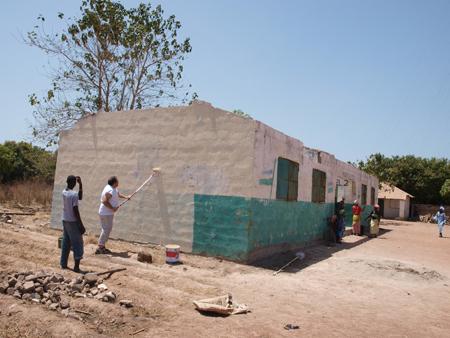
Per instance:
x=172, y=254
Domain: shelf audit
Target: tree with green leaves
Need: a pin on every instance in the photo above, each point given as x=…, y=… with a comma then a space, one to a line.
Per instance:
x=241, y=113
x=421, y=177
x=109, y=58
x=445, y=191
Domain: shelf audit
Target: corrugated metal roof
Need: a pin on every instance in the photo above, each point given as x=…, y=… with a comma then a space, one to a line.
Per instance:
x=391, y=192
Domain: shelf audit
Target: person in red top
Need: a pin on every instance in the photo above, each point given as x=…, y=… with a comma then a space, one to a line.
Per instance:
x=356, y=210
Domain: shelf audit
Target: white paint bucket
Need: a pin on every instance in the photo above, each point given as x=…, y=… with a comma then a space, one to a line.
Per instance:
x=172, y=253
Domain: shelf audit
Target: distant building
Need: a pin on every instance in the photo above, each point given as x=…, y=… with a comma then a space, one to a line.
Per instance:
x=394, y=202
x=229, y=186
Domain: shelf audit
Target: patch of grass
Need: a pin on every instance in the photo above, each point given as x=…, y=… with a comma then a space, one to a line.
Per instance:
x=27, y=193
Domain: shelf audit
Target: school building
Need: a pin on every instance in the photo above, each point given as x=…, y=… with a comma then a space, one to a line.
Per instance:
x=229, y=186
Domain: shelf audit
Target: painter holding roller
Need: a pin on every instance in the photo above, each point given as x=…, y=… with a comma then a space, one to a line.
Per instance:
x=109, y=204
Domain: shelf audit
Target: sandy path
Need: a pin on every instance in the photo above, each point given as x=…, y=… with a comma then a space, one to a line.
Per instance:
x=393, y=286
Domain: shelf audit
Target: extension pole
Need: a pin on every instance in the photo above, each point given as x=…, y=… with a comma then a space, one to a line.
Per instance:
x=154, y=173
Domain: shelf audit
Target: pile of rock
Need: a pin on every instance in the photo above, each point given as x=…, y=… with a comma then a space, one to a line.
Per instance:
x=54, y=290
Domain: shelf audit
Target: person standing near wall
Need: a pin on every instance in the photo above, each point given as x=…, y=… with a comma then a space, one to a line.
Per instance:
x=73, y=228
x=340, y=215
x=356, y=221
x=441, y=218
x=109, y=203
x=375, y=218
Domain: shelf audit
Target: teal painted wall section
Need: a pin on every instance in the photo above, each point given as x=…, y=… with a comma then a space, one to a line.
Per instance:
x=266, y=181
x=221, y=226
x=234, y=227
x=279, y=222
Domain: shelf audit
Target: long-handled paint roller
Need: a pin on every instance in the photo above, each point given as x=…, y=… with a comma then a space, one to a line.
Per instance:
x=299, y=255
x=155, y=172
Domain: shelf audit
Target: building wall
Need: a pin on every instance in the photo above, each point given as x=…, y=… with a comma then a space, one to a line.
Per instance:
x=217, y=191
x=266, y=225
x=396, y=208
x=200, y=150
x=392, y=208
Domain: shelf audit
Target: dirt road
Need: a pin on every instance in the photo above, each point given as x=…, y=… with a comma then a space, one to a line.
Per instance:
x=394, y=286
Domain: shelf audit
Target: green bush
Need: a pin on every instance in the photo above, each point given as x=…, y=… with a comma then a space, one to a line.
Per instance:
x=22, y=161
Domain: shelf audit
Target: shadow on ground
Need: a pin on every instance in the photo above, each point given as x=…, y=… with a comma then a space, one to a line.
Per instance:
x=313, y=254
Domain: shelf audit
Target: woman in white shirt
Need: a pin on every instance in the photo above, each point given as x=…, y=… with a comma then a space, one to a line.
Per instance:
x=109, y=203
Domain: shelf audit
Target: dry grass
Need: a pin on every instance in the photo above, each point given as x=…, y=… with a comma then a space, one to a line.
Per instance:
x=27, y=193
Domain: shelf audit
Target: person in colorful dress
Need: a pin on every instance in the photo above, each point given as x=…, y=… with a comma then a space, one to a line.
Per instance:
x=356, y=224
x=375, y=218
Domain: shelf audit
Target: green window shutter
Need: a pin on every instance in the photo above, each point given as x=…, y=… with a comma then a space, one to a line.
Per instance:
x=363, y=194
x=319, y=185
x=287, y=180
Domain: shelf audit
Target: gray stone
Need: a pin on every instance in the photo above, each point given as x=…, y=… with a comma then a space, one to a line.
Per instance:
x=31, y=278
x=28, y=286
x=21, y=278
x=10, y=291
x=65, y=312
x=64, y=303
x=39, y=290
x=79, y=295
x=91, y=278
x=78, y=287
x=36, y=296
x=56, y=278
x=109, y=297
x=53, y=306
x=12, y=281
x=94, y=291
x=26, y=296
x=52, y=286
x=126, y=303
x=3, y=287
x=102, y=287
x=17, y=294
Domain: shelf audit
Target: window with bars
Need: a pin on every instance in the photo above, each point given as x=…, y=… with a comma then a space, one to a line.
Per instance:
x=287, y=180
x=372, y=196
x=319, y=185
x=363, y=194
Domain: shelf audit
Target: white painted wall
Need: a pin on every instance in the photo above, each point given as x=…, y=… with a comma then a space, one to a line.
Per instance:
x=269, y=145
x=199, y=148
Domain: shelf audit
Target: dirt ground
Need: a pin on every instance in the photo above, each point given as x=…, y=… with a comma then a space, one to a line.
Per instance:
x=394, y=286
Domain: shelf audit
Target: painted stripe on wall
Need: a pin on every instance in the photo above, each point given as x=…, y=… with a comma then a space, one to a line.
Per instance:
x=234, y=227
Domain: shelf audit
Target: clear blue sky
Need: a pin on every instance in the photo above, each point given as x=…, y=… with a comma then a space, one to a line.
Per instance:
x=351, y=77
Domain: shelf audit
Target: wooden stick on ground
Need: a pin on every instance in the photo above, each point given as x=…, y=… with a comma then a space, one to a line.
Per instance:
x=12, y=213
x=83, y=312
x=110, y=272
x=136, y=332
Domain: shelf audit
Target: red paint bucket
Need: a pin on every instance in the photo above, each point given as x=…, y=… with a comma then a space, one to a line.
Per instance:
x=172, y=253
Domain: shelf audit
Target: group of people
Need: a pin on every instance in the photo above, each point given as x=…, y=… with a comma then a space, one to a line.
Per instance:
x=73, y=228
x=339, y=220
x=374, y=217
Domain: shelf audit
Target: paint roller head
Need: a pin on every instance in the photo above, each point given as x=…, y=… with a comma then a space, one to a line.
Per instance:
x=156, y=170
